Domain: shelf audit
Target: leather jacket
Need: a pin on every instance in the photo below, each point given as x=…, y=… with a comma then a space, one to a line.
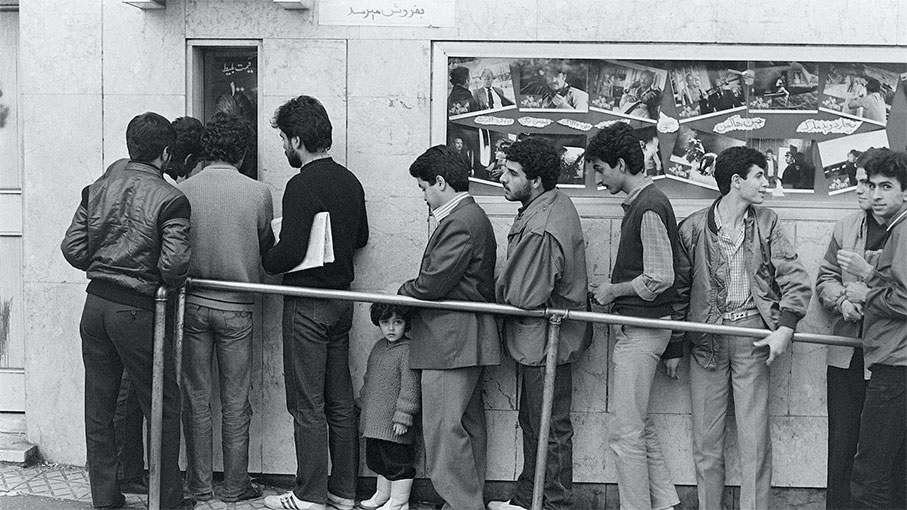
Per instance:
x=779, y=283
x=131, y=230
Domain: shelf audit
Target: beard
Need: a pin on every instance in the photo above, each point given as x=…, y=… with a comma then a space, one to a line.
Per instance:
x=518, y=194
x=293, y=158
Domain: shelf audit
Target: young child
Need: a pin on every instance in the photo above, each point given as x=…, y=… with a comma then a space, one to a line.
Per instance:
x=390, y=400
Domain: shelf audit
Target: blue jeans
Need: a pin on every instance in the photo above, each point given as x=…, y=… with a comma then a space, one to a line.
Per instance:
x=316, y=352
x=879, y=479
x=117, y=337
x=228, y=335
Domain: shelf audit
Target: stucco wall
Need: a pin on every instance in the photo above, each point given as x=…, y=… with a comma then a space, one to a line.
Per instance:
x=89, y=66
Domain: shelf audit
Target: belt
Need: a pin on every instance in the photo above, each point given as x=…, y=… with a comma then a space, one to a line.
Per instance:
x=742, y=314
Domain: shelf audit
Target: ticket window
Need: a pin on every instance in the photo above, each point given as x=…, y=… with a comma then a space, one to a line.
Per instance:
x=226, y=80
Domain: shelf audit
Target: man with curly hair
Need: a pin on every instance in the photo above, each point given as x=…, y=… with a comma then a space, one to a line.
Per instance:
x=736, y=266
x=642, y=285
x=231, y=228
x=545, y=268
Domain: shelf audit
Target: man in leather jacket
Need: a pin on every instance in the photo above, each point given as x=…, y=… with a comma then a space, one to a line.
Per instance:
x=130, y=234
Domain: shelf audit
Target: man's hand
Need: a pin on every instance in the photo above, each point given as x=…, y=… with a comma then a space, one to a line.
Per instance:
x=604, y=293
x=850, y=311
x=671, y=367
x=854, y=264
x=777, y=341
x=855, y=292
x=400, y=429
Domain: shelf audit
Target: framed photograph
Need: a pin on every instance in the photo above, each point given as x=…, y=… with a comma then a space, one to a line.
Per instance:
x=703, y=89
x=694, y=154
x=839, y=157
x=553, y=84
x=860, y=91
x=785, y=87
x=627, y=89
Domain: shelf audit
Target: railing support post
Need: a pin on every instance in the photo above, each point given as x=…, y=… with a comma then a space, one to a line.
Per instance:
x=157, y=397
x=541, y=456
x=178, y=323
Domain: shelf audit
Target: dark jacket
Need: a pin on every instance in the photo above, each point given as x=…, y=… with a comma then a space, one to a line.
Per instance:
x=130, y=233
x=779, y=283
x=458, y=264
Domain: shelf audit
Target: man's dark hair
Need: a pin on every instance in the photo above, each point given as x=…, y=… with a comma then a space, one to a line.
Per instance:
x=864, y=158
x=889, y=163
x=614, y=142
x=873, y=85
x=148, y=135
x=306, y=118
x=227, y=138
x=384, y=311
x=459, y=76
x=188, y=145
x=444, y=161
x=736, y=161
x=538, y=158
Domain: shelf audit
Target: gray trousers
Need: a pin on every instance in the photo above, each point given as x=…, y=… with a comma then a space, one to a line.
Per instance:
x=453, y=426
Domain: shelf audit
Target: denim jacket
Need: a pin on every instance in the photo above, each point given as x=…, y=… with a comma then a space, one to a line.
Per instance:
x=778, y=281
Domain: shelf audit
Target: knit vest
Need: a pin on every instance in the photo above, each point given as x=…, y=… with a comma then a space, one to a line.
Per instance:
x=629, y=264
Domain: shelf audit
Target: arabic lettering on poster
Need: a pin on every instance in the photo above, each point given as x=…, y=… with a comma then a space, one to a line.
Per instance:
x=738, y=123
x=837, y=126
x=231, y=68
x=395, y=11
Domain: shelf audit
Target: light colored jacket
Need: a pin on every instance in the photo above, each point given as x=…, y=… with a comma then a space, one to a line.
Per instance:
x=778, y=281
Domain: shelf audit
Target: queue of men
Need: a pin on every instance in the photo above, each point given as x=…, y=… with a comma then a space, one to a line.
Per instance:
x=731, y=263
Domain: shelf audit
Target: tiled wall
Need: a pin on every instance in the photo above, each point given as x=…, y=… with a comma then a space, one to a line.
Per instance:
x=90, y=66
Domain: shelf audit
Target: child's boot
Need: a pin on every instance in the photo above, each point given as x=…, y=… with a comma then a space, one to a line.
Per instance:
x=400, y=490
x=382, y=494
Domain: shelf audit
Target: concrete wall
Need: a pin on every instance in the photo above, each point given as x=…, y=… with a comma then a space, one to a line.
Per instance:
x=88, y=67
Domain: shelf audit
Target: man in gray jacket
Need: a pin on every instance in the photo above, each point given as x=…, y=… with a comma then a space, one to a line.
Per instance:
x=130, y=234
x=737, y=267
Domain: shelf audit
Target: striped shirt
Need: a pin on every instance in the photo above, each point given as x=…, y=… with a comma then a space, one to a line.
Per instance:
x=738, y=282
x=442, y=212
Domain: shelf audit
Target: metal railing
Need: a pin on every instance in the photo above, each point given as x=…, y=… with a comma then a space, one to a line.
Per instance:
x=554, y=316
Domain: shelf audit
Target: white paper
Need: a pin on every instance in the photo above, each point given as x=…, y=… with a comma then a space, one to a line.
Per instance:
x=321, y=242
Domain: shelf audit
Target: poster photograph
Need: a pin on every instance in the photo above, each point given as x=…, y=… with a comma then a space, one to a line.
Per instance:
x=707, y=88
x=839, y=156
x=694, y=154
x=553, y=84
x=785, y=87
x=651, y=152
x=627, y=89
x=860, y=91
x=492, y=152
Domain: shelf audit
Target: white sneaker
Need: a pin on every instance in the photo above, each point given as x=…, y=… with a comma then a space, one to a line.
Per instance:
x=338, y=503
x=289, y=501
x=503, y=505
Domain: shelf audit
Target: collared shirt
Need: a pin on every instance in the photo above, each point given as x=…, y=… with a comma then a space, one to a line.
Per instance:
x=738, y=282
x=442, y=212
x=657, y=256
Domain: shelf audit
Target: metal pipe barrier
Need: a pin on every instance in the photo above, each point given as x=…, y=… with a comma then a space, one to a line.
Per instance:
x=554, y=316
x=157, y=397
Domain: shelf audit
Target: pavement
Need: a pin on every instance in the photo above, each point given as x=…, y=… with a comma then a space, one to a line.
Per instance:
x=60, y=487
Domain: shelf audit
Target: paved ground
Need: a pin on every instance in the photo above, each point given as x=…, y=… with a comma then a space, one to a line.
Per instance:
x=57, y=487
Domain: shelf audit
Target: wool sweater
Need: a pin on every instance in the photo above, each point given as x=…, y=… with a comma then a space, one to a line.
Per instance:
x=391, y=393
x=231, y=228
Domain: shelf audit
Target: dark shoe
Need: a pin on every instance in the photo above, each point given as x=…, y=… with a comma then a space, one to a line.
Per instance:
x=137, y=485
x=119, y=503
x=203, y=497
x=185, y=504
x=253, y=491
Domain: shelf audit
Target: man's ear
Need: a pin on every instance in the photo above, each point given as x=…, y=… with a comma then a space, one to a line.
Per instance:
x=295, y=143
x=441, y=182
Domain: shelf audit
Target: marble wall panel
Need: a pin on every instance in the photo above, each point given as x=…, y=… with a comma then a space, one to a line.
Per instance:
x=144, y=50
x=799, y=451
x=54, y=375
x=597, y=235
x=592, y=459
x=257, y=20
x=590, y=374
x=504, y=444
x=378, y=68
x=119, y=110
x=501, y=20
x=314, y=67
x=60, y=48
x=62, y=154
x=807, y=392
x=812, y=22
x=397, y=237
x=389, y=125
x=386, y=177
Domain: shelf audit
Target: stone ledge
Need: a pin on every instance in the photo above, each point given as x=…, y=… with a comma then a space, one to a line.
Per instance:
x=15, y=449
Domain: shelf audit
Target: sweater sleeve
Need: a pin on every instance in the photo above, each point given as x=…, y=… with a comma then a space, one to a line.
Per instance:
x=409, y=401
x=299, y=209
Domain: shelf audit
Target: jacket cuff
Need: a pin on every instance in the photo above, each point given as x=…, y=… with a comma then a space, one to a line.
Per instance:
x=403, y=418
x=789, y=319
x=673, y=350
